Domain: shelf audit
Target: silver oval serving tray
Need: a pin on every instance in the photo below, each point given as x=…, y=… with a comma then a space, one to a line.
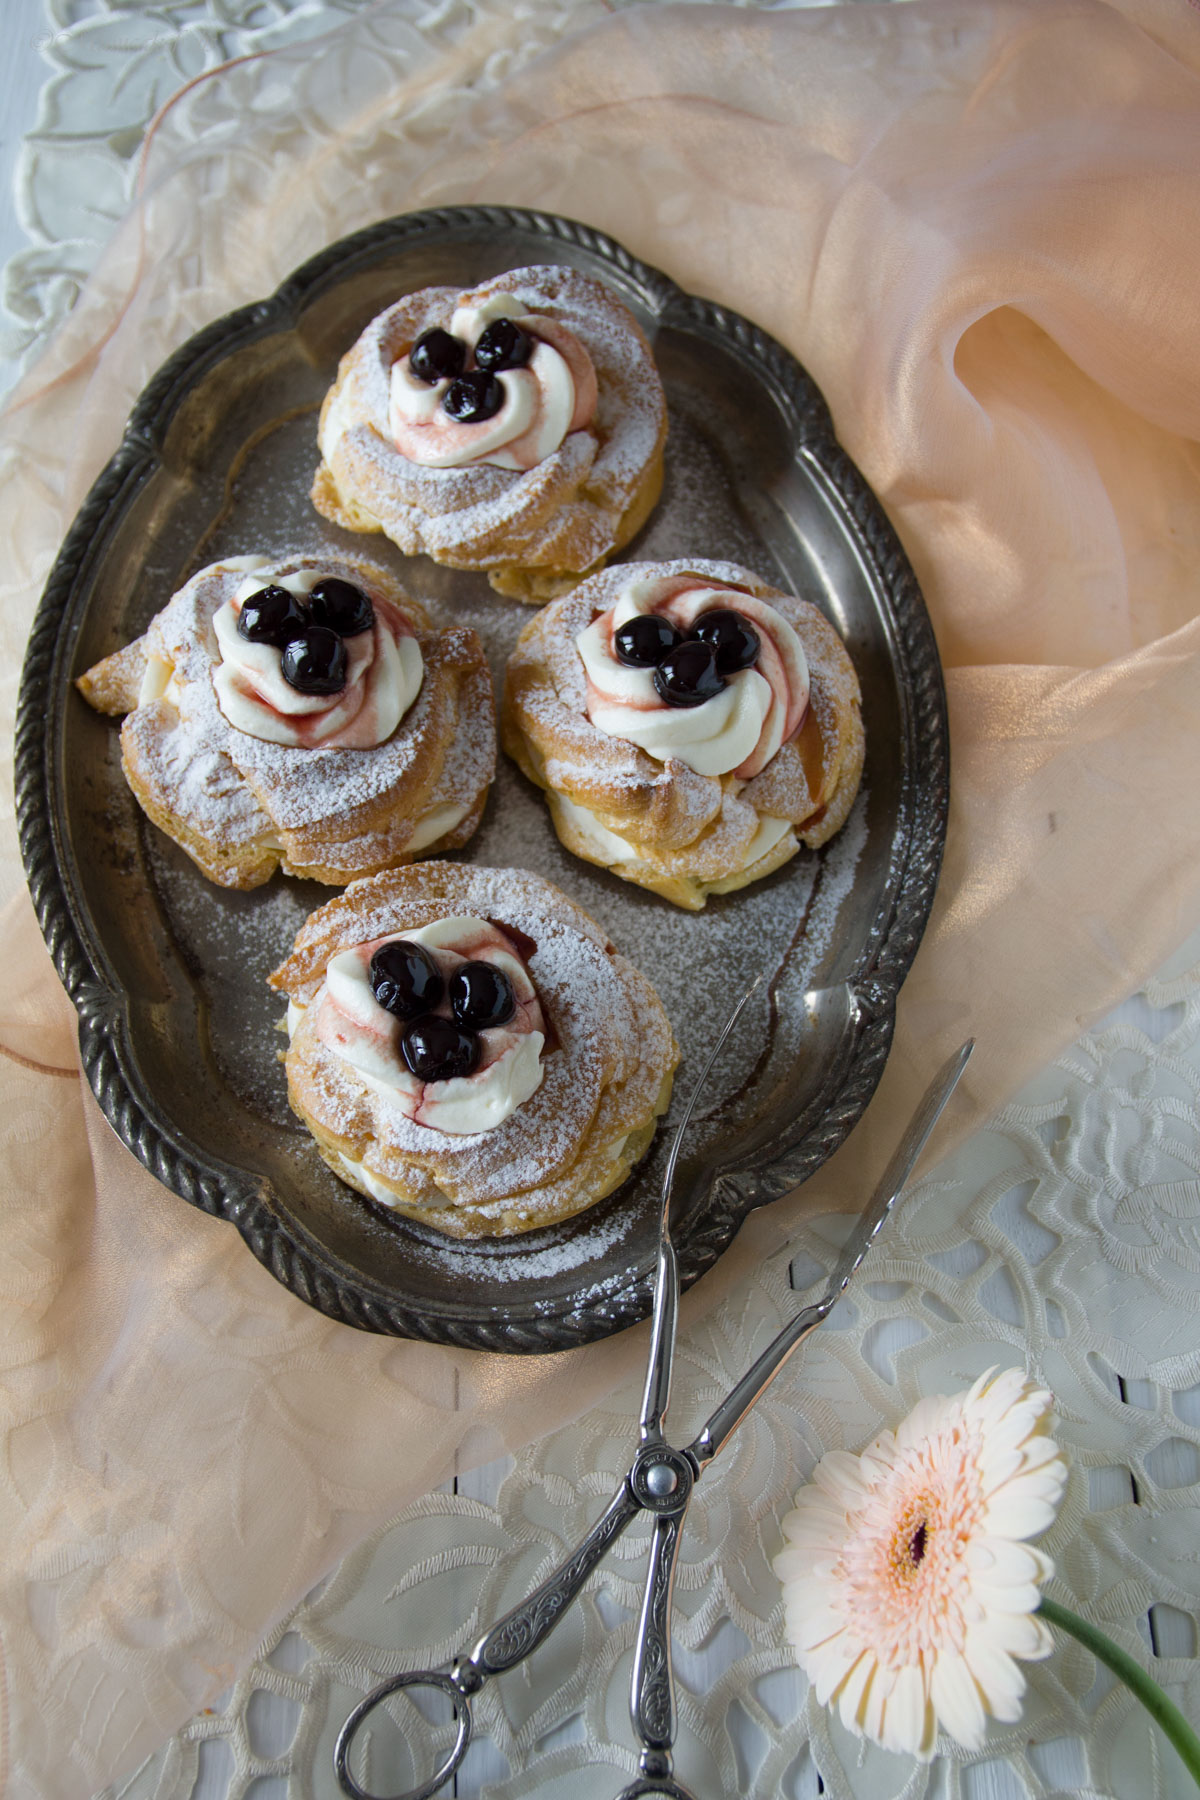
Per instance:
x=177, y=1028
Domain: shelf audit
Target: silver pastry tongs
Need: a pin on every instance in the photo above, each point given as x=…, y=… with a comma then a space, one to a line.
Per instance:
x=659, y=1482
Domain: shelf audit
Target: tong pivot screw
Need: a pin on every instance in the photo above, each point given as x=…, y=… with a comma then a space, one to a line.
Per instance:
x=661, y=1479
x=656, y=1764
x=466, y=1677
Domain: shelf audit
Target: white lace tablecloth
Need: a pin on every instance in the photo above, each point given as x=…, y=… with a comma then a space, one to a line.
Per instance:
x=1066, y=1236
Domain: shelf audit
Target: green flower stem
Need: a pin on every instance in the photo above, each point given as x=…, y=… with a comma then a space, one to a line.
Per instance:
x=1163, y=1711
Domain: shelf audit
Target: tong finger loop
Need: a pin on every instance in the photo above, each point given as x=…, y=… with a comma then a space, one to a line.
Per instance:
x=423, y=1678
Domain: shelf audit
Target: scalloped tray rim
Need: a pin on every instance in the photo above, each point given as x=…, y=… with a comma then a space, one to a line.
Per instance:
x=108, y=1056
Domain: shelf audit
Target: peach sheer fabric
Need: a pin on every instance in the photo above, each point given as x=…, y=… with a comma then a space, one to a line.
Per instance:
x=975, y=224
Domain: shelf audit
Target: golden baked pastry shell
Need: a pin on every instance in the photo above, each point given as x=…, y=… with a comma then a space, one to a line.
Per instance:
x=661, y=825
x=607, y=1066
x=242, y=808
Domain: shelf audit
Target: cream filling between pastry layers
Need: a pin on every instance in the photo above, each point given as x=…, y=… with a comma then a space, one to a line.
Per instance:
x=341, y=415
x=352, y=1024
x=435, y=823
x=610, y=848
x=358, y=1172
x=159, y=682
x=360, y=1175
x=356, y=1169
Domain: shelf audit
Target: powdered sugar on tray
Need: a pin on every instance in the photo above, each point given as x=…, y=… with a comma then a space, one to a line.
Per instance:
x=546, y=1262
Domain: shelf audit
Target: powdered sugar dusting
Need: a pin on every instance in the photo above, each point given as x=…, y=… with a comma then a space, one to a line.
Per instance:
x=244, y=799
x=697, y=963
x=563, y=513
x=546, y=1262
x=679, y=832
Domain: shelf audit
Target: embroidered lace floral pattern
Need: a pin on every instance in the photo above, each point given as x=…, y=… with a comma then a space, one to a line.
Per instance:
x=1062, y=1237
x=113, y=65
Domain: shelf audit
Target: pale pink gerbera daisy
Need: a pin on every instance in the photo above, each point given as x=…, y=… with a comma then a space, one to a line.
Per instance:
x=907, y=1587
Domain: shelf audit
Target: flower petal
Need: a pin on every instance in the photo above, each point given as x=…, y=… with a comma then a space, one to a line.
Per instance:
x=840, y=1476
x=1041, y=1450
x=955, y=1696
x=1002, y=1563
x=1019, y=1515
x=926, y=1418
x=996, y=1675
x=1021, y=1634
x=830, y=1667
x=998, y=1466
x=1015, y=1598
x=908, y=1723
x=816, y=1625
x=909, y=1588
x=852, y=1693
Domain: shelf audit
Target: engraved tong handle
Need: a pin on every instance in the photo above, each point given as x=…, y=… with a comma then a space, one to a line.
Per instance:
x=656, y=1784
x=509, y=1641
x=652, y=1692
x=662, y=1479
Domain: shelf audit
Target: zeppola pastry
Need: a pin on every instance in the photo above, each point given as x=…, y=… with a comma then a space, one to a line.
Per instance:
x=301, y=713
x=516, y=427
x=467, y=1048
x=691, y=725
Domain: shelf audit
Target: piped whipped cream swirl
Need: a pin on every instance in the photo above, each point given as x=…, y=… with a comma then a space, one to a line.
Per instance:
x=551, y=396
x=740, y=729
x=351, y=1023
x=384, y=673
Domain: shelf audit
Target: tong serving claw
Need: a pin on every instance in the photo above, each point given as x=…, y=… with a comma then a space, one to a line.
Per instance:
x=659, y=1482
